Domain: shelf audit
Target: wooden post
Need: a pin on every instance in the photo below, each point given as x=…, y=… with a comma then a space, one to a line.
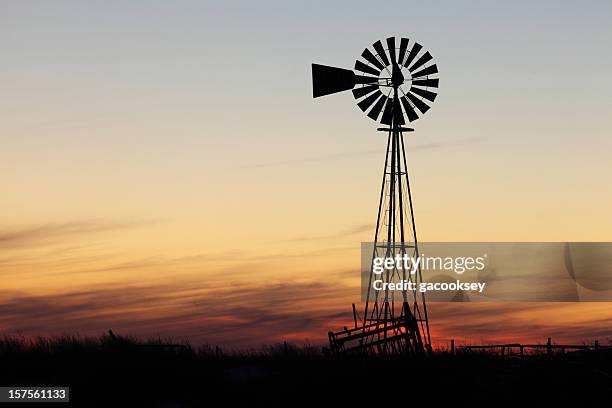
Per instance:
x=521, y=346
x=355, y=315
x=549, y=346
x=452, y=347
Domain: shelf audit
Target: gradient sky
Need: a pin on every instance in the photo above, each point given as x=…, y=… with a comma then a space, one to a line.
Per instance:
x=166, y=171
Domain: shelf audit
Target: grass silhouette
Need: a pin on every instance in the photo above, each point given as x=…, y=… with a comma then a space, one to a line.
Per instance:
x=125, y=371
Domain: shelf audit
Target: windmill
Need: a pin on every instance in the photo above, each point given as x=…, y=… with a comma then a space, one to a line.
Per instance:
x=394, y=85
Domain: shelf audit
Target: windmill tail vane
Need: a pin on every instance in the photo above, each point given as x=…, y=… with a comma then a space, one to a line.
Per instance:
x=394, y=84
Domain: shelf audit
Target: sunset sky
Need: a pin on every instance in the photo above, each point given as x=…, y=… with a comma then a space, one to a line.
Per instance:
x=166, y=172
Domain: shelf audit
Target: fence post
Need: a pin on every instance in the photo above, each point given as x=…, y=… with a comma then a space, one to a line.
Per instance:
x=549, y=346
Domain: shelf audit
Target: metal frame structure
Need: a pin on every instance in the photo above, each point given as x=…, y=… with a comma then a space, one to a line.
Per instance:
x=391, y=322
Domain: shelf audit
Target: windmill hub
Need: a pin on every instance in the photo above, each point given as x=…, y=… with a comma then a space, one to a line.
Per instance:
x=397, y=78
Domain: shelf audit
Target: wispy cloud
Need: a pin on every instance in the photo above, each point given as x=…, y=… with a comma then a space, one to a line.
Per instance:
x=520, y=321
x=236, y=315
x=356, y=229
x=51, y=232
x=240, y=315
x=356, y=154
x=222, y=298
x=328, y=157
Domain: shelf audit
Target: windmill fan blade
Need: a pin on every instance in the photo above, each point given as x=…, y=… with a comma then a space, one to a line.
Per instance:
x=433, y=83
x=375, y=112
x=368, y=56
x=413, y=53
x=432, y=69
x=402, y=51
x=381, y=52
x=360, y=66
x=364, y=90
x=412, y=115
x=387, y=116
x=430, y=96
x=328, y=80
x=422, y=106
x=421, y=61
x=398, y=115
x=391, y=47
x=367, y=102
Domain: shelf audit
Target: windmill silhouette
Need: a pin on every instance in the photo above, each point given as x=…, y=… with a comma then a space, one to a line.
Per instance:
x=393, y=85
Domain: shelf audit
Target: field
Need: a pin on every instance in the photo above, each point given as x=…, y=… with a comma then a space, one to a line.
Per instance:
x=109, y=371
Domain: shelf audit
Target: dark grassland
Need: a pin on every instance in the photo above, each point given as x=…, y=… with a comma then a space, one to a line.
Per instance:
x=107, y=372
